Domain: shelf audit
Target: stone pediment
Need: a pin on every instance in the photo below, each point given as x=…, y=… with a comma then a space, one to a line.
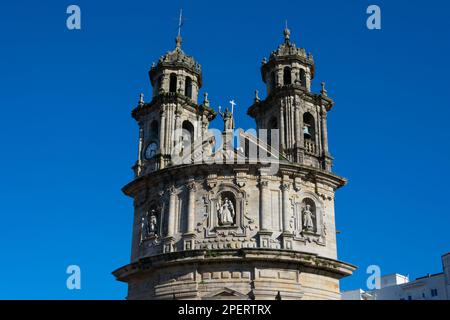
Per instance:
x=226, y=293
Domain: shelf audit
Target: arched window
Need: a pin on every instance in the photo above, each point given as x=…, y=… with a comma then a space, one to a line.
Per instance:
x=309, y=130
x=154, y=129
x=273, y=83
x=187, y=136
x=287, y=77
x=271, y=125
x=173, y=83
x=302, y=77
x=188, y=87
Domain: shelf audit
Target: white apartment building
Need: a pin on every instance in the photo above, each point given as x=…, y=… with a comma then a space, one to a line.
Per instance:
x=399, y=287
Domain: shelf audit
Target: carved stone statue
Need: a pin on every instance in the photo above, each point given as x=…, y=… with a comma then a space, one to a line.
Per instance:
x=149, y=225
x=225, y=212
x=308, y=223
x=227, y=117
x=152, y=226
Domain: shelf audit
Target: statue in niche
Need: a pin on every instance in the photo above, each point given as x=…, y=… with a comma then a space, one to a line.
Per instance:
x=225, y=212
x=149, y=225
x=308, y=223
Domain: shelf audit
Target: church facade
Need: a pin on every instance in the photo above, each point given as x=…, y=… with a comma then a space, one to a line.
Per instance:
x=234, y=214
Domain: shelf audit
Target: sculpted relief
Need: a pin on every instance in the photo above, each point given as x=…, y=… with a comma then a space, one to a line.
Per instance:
x=149, y=226
x=225, y=212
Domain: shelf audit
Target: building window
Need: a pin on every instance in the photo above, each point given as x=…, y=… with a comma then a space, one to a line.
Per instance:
x=409, y=298
x=272, y=125
x=272, y=80
x=434, y=292
x=154, y=132
x=287, y=76
x=303, y=77
x=173, y=83
x=188, y=87
x=187, y=138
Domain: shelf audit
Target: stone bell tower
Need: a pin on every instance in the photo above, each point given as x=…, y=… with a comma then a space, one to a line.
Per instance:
x=299, y=115
x=173, y=119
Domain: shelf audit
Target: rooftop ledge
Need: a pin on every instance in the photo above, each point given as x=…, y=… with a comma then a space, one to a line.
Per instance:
x=309, y=262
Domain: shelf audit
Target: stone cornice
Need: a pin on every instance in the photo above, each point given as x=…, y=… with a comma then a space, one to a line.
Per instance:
x=289, y=90
x=306, y=262
x=169, y=97
x=285, y=168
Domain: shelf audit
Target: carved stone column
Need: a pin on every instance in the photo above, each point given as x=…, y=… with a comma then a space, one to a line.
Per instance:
x=191, y=207
x=169, y=240
x=287, y=235
x=162, y=134
x=282, y=136
x=286, y=207
x=189, y=236
x=264, y=208
x=264, y=235
x=326, y=155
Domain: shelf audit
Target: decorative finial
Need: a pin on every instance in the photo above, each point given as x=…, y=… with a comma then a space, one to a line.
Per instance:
x=257, y=96
x=323, y=91
x=178, y=41
x=141, y=99
x=205, y=101
x=287, y=33
x=264, y=60
x=232, y=106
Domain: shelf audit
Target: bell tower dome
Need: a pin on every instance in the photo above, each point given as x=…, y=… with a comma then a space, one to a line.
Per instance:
x=171, y=122
x=292, y=108
x=176, y=72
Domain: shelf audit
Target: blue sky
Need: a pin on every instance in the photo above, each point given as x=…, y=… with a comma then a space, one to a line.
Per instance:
x=68, y=140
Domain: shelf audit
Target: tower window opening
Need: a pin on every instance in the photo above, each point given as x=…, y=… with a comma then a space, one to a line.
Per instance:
x=187, y=137
x=154, y=129
x=173, y=83
x=287, y=77
x=308, y=126
x=188, y=87
x=272, y=80
x=302, y=77
x=158, y=85
x=271, y=126
x=309, y=133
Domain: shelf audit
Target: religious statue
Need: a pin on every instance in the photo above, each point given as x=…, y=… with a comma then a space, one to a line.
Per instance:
x=227, y=117
x=308, y=223
x=148, y=225
x=225, y=211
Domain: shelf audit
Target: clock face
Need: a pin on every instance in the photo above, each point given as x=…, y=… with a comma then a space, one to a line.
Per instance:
x=151, y=150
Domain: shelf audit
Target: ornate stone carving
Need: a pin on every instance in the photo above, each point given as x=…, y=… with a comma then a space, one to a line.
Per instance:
x=149, y=226
x=308, y=216
x=225, y=212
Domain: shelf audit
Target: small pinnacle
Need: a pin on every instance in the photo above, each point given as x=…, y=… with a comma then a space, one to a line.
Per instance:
x=178, y=41
x=323, y=91
x=287, y=34
x=256, y=95
x=141, y=99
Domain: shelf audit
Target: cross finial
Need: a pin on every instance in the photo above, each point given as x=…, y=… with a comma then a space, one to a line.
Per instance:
x=232, y=106
x=287, y=32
